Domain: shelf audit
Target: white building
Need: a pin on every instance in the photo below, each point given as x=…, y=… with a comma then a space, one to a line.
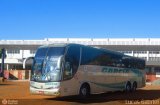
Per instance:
x=146, y=48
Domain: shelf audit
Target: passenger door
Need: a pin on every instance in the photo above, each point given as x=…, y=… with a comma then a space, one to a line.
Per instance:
x=69, y=85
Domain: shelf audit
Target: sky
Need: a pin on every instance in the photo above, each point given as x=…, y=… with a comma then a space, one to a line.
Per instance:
x=39, y=19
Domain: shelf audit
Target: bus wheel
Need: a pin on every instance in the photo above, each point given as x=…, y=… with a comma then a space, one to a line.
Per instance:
x=128, y=87
x=84, y=91
x=134, y=87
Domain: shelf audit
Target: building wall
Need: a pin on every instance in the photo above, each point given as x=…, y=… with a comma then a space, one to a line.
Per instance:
x=146, y=48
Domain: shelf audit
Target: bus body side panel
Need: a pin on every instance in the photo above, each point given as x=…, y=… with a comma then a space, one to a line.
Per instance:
x=72, y=86
x=141, y=79
x=99, y=80
x=69, y=87
x=84, y=74
x=103, y=79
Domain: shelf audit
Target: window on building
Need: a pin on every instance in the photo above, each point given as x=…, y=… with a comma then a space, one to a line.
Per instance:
x=140, y=52
x=126, y=52
x=157, y=69
x=16, y=51
x=154, y=52
x=154, y=58
x=145, y=58
x=32, y=51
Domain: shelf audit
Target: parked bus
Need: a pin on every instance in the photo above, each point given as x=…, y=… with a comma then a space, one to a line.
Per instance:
x=73, y=69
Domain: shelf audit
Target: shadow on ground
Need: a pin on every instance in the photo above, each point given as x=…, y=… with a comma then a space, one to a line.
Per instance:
x=113, y=96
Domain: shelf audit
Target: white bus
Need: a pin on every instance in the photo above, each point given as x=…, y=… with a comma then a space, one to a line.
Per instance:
x=73, y=69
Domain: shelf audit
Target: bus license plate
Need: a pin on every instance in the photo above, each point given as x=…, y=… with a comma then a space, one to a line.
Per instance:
x=41, y=92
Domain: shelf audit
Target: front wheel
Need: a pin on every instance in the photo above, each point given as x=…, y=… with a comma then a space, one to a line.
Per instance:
x=84, y=91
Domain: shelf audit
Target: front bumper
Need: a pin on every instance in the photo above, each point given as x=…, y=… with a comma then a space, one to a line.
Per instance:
x=52, y=92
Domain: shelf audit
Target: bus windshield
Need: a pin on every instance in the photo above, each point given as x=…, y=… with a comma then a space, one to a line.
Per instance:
x=46, y=65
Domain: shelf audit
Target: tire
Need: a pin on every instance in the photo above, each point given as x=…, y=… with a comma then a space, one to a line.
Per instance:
x=84, y=91
x=134, y=87
x=128, y=87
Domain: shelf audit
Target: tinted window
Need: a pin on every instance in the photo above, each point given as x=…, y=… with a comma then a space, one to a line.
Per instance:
x=55, y=51
x=71, y=61
x=89, y=55
x=93, y=56
x=41, y=52
x=133, y=63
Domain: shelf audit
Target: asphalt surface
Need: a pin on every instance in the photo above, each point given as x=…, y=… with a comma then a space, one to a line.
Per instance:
x=17, y=93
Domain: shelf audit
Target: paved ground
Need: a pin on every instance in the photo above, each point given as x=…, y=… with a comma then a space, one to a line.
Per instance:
x=17, y=93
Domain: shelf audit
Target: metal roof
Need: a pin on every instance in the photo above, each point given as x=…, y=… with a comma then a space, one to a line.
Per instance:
x=86, y=41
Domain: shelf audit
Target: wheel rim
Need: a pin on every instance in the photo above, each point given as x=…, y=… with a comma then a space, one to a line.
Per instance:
x=134, y=87
x=128, y=88
x=84, y=91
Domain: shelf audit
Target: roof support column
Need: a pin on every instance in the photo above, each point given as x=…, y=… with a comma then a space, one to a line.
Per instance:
x=147, y=55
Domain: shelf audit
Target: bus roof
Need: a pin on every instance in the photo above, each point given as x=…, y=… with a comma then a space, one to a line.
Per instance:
x=99, y=48
x=60, y=45
x=54, y=45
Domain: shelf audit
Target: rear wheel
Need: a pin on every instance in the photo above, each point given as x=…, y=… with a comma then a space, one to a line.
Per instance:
x=134, y=87
x=84, y=91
